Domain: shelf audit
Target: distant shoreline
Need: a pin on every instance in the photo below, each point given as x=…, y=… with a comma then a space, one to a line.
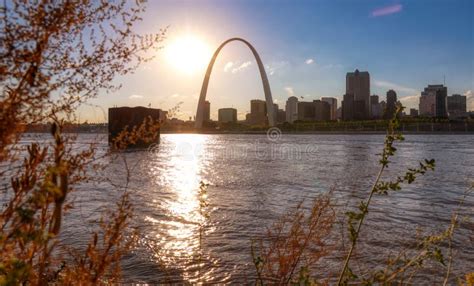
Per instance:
x=262, y=132
x=326, y=133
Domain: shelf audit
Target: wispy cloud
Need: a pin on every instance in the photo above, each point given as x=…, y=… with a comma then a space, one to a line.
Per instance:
x=396, y=87
x=228, y=66
x=275, y=67
x=387, y=10
x=242, y=67
x=289, y=90
x=332, y=66
x=235, y=67
x=135, y=96
x=309, y=61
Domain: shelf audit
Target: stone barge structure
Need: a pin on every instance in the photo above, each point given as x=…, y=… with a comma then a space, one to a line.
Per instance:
x=132, y=118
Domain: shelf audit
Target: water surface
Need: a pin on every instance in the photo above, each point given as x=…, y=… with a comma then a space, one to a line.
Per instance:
x=253, y=180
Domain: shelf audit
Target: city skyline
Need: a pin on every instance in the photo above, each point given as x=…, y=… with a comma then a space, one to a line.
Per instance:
x=308, y=61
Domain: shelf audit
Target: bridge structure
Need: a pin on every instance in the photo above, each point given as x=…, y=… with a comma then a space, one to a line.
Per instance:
x=266, y=85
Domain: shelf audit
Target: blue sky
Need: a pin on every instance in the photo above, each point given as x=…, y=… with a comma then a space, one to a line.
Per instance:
x=307, y=47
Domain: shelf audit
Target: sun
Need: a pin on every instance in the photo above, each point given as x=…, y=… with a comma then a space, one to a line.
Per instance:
x=188, y=54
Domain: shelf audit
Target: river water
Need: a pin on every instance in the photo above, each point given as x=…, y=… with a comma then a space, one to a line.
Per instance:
x=253, y=180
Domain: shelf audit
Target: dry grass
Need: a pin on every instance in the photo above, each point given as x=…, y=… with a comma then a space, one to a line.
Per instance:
x=295, y=243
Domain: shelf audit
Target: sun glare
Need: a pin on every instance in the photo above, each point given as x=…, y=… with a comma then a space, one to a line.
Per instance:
x=188, y=54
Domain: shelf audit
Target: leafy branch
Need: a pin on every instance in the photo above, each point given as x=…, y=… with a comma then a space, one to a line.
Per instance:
x=356, y=218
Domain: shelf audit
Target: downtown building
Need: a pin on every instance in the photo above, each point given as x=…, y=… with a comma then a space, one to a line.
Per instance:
x=377, y=108
x=291, y=109
x=207, y=111
x=433, y=101
x=314, y=111
x=413, y=112
x=226, y=115
x=356, y=103
x=332, y=107
x=258, y=112
x=278, y=114
x=457, y=105
x=391, y=107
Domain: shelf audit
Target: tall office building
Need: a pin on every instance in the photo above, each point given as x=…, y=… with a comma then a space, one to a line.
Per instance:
x=358, y=84
x=207, y=111
x=457, y=104
x=227, y=115
x=291, y=109
x=433, y=101
x=258, y=112
x=332, y=107
x=391, y=104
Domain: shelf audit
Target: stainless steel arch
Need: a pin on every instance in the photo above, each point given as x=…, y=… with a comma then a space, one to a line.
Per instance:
x=263, y=75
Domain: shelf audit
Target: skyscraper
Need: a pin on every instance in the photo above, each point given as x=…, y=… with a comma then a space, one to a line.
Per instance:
x=433, y=101
x=391, y=104
x=207, y=111
x=291, y=109
x=358, y=84
x=332, y=106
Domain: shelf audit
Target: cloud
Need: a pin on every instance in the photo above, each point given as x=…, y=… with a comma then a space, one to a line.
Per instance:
x=309, y=61
x=411, y=101
x=387, y=10
x=396, y=87
x=175, y=95
x=275, y=67
x=135, y=96
x=289, y=90
x=242, y=67
x=228, y=66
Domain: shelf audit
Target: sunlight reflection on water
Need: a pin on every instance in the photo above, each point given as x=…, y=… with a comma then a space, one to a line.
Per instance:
x=182, y=174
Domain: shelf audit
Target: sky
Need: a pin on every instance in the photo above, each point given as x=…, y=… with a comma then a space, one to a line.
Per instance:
x=307, y=48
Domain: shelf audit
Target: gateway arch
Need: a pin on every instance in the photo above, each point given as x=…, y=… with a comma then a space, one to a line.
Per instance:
x=263, y=75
